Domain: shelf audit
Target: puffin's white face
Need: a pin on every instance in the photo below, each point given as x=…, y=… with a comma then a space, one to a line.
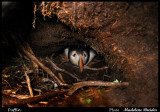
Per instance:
x=75, y=57
x=79, y=57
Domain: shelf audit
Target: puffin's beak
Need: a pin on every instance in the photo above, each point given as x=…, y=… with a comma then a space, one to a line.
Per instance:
x=81, y=63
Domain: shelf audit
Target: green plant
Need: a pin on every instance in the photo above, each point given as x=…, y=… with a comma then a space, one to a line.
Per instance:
x=88, y=101
x=116, y=81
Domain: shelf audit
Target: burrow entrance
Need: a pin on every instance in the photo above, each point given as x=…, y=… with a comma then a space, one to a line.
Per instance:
x=57, y=36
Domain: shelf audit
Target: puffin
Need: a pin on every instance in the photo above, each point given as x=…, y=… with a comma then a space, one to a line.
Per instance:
x=79, y=56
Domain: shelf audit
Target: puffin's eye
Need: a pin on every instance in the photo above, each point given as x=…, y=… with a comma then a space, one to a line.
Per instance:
x=74, y=55
x=84, y=54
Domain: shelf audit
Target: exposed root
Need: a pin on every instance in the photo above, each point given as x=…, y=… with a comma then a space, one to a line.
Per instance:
x=34, y=20
x=94, y=83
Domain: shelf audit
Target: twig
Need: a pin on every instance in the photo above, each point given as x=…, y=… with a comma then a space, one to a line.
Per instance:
x=106, y=76
x=44, y=67
x=60, y=76
x=35, y=66
x=20, y=96
x=32, y=57
x=78, y=85
x=94, y=69
x=7, y=82
x=29, y=84
x=20, y=102
x=61, y=70
x=89, y=68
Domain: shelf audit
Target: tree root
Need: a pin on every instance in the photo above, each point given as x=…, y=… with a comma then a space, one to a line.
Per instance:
x=78, y=85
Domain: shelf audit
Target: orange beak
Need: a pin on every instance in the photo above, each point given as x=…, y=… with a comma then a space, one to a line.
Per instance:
x=81, y=63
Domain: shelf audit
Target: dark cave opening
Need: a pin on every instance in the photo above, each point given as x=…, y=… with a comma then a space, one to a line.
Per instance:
x=113, y=71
